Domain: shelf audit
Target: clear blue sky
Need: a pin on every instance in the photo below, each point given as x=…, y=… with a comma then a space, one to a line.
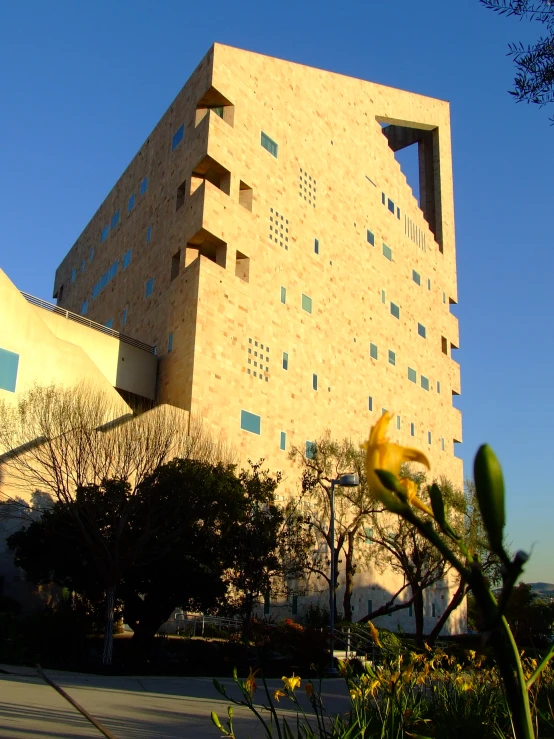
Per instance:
x=83, y=84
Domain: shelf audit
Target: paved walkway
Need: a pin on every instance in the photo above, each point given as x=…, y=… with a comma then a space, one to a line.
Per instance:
x=129, y=707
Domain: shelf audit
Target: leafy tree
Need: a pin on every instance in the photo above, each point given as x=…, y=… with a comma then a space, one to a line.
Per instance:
x=534, y=80
x=531, y=618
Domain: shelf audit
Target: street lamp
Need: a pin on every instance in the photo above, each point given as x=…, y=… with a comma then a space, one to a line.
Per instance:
x=345, y=481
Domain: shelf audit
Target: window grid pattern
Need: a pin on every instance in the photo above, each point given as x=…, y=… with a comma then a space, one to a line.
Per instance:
x=278, y=228
x=307, y=187
x=257, y=360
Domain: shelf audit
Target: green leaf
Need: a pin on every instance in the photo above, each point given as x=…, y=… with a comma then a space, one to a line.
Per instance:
x=489, y=489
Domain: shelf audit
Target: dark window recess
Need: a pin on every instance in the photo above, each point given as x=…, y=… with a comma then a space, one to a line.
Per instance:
x=242, y=267
x=444, y=345
x=181, y=192
x=210, y=170
x=218, y=104
x=245, y=196
x=175, y=264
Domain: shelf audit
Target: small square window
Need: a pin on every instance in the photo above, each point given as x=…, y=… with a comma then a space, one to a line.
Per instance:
x=104, y=234
x=149, y=287
x=283, y=295
x=373, y=351
x=412, y=375
x=131, y=203
x=250, y=422
x=144, y=186
x=115, y=219
x=370, y=403
x=390, y=205
x=422, y=331
x=285, y=360
x=177, y=137
x=395, y=310
x=387, y=252
x=424, y=382
x=416, y=277
x=412, y=429
x=392, y=357
x=314, y=381
x=283, y=441
x=149, y=234
x=170, y=342
x=316, y=246
x=310, y=449
x=269, y=145
x=306, y=303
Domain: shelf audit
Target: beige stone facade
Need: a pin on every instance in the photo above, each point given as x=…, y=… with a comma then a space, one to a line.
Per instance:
x=265, y=240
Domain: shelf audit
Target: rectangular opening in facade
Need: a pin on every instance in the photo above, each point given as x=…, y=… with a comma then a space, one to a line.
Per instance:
x=175, y=264
x=215, y=101
x=210, y=170
x=444, y=345
x=181, y=192
x=242, y=266
x=245, y=196
x=207, y=245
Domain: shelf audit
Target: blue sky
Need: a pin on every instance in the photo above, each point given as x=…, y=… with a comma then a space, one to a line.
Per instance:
x=83, y=84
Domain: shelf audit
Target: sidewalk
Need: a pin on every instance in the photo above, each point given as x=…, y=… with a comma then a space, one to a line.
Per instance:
x=130, y=707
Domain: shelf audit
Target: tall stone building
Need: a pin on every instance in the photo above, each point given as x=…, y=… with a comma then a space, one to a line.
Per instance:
x=265, y=240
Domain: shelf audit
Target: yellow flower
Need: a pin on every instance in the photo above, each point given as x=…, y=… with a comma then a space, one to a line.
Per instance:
x=250, y=682
x=374, y=634
x=291, y=683
x=381, y=454
x=278, y=694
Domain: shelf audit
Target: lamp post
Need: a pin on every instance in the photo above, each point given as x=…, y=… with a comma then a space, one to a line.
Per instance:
x=345, y=481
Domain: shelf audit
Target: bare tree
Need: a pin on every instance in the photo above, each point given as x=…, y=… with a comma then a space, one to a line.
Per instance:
x=65, y=440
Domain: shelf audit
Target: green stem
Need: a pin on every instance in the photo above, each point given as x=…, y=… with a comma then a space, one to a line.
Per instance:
x=540, y=667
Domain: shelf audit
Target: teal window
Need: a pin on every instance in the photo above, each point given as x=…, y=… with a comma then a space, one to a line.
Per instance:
x=383, y=297
x=109, y=323
x=316, y=246
x=412, y=375
x=9, y=364
x=294, y=605
x=306, y=303
x=370, y=237
x=217, y=109
x=429, y=437
x=283, y=295
x=438, y=386
x=115, y=219
x=285, y=361
x=170, y=343
x=314, y=381
x=127, y=258
x=310, y=449
x=416, y=277
x=155, y=349
x=370, y=403
x=267, y=605
x=73, y=275
x=390, y=205
x=395, y=310
x=387, y=252
x=283, y=441
x=369, y=607
x=104, y=234
x=428, y=284
x=398, y=422
x=143, y=186
x=373, y=351
x=124, y=317
x=250, y=422
x=269, y=145
x=392, y=357
x=412, y=429
x=149, y=289
x=433, y=610
x=131, y=203
x=96, y=290
x=442, y=443
x=149, y=234
x=422, y=331
x=424, y=382
x=84, y=308
x=177, y=137
x=113, y=269
x=91, y=254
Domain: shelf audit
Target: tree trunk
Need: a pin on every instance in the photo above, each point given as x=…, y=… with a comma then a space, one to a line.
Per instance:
x=247, y=619
x=108, y=630
x=349, y=572
x=418, y=613
x=455, y=601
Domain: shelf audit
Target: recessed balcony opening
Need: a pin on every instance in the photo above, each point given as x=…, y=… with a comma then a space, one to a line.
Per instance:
x=209, y=169
x=181, y=192
x=242, y=267
x=444, y=344
x=245, y=196
x=207, y=245
x=214, y=101
x=175, y=264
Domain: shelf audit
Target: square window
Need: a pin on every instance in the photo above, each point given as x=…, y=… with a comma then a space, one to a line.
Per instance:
x=104, y=234
x=390, y=205
x=416, y=277
x=392, y=357
x=269, y=145
x=370, y=237
x=9, y=365
x=373, y=351
x=316, y=246
x=131, y=203
x=412, y=429
x=124, y=318
x=285, y=360
x=149, y=234
x=395, y=310
x=283, y=295
x=387, y=252
x=144, y=186
x=370, y=403
x=422, y=331
x=170, y=342
x=115, y=219
x=177, y=137
x=283, y=441
x=310, y=449
x=314, y=381
x=127, y=258
x=424, y=382
x=149, y=287
x=306, y=303
x=250, y=422
x=412, y=375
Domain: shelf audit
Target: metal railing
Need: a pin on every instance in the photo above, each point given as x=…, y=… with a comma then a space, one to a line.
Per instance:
x=87, y=322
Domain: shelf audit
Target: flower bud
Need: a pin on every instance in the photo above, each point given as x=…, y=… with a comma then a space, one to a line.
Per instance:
x=489, y=487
